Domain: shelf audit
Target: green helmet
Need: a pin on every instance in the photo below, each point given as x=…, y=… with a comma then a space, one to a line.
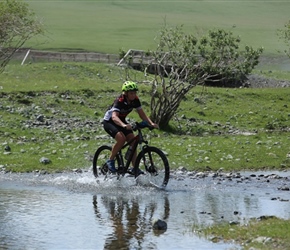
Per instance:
x=129, y=86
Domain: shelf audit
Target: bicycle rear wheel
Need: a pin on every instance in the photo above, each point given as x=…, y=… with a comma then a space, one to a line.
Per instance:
x=100, y=160
x=155, y=164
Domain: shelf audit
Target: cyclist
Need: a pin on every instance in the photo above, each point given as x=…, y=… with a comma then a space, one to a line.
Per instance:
x=115, y=123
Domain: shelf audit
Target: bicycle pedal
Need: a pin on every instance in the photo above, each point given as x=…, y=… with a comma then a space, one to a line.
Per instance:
x=103, y=172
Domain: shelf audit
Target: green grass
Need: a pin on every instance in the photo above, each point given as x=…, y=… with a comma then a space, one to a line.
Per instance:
x=255, y=152
x=274, y=229
x=60, y=77
x=108, y=26
x=201, y=129
x=243, y=108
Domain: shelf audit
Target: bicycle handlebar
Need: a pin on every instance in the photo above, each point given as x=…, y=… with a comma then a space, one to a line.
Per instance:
x=141, y=125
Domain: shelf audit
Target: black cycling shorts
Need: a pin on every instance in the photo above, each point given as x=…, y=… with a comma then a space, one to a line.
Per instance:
x=112, y=129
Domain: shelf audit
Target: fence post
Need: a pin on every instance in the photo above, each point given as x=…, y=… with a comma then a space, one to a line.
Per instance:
x=27, y=53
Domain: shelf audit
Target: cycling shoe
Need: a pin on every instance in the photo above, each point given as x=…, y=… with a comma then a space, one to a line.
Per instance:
x=111, y=166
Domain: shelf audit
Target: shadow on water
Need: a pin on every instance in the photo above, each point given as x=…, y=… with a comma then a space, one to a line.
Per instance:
x=76, y=211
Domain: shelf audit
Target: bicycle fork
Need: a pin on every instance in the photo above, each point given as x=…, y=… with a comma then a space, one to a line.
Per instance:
x=148, y=163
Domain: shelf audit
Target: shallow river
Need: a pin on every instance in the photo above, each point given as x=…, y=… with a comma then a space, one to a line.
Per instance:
x=74, y=211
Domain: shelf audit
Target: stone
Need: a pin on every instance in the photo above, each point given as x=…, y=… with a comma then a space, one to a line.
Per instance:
x=7, y=148
x=159, y=224
x=44, y=160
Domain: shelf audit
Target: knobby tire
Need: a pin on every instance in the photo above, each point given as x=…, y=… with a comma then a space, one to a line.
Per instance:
x=100, y=158
x=156, y=165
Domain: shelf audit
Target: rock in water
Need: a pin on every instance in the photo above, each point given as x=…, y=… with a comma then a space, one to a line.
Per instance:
x=159, y=224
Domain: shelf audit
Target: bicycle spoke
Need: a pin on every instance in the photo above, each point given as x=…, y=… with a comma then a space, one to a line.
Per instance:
x=155, y=164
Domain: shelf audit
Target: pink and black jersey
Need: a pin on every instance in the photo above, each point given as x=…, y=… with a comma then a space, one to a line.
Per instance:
x=122, y=106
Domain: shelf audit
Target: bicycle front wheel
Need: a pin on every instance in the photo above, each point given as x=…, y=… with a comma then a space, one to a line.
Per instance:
x=100, y=158
x=154, y=163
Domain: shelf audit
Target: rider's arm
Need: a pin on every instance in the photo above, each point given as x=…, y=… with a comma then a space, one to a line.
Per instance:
x=117, y=120
x=144, y=117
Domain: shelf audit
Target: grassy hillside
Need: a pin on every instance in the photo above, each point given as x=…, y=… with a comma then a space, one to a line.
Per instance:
x=107, y=26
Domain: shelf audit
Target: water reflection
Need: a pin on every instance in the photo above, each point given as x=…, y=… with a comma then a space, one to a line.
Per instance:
x=130, y=221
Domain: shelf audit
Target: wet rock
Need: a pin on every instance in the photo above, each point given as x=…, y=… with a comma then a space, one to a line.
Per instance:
x=77, y=170
x=283, y=200
x=284, y=188
x=266, y=217
x=159, y=224
x=43, y=172
x=180, y=178
x=179, y=173
x=212, y=175
x=40, y=172
x=273, y=176
x=182, y=169
x=234, y=222
x=215, y=239
x=190, y=174
x=200, y=175
x=228, y=175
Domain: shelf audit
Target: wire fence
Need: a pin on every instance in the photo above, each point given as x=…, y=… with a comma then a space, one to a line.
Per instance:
x=28, y=55
x=136, y=59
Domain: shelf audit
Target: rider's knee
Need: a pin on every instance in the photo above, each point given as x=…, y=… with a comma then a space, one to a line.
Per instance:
x=120, y=137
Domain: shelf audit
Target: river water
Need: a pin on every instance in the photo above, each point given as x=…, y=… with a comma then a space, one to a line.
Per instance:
x=76, y=211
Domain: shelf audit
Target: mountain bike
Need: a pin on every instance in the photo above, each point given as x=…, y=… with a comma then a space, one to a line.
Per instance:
x=151, y=160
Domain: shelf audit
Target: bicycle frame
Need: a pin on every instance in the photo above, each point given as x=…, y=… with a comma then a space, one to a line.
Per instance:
x=138, y=139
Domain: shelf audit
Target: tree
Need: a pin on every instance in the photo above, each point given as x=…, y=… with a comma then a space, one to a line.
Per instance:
x=17, y=25
x=182, y=61
x=284, y=34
